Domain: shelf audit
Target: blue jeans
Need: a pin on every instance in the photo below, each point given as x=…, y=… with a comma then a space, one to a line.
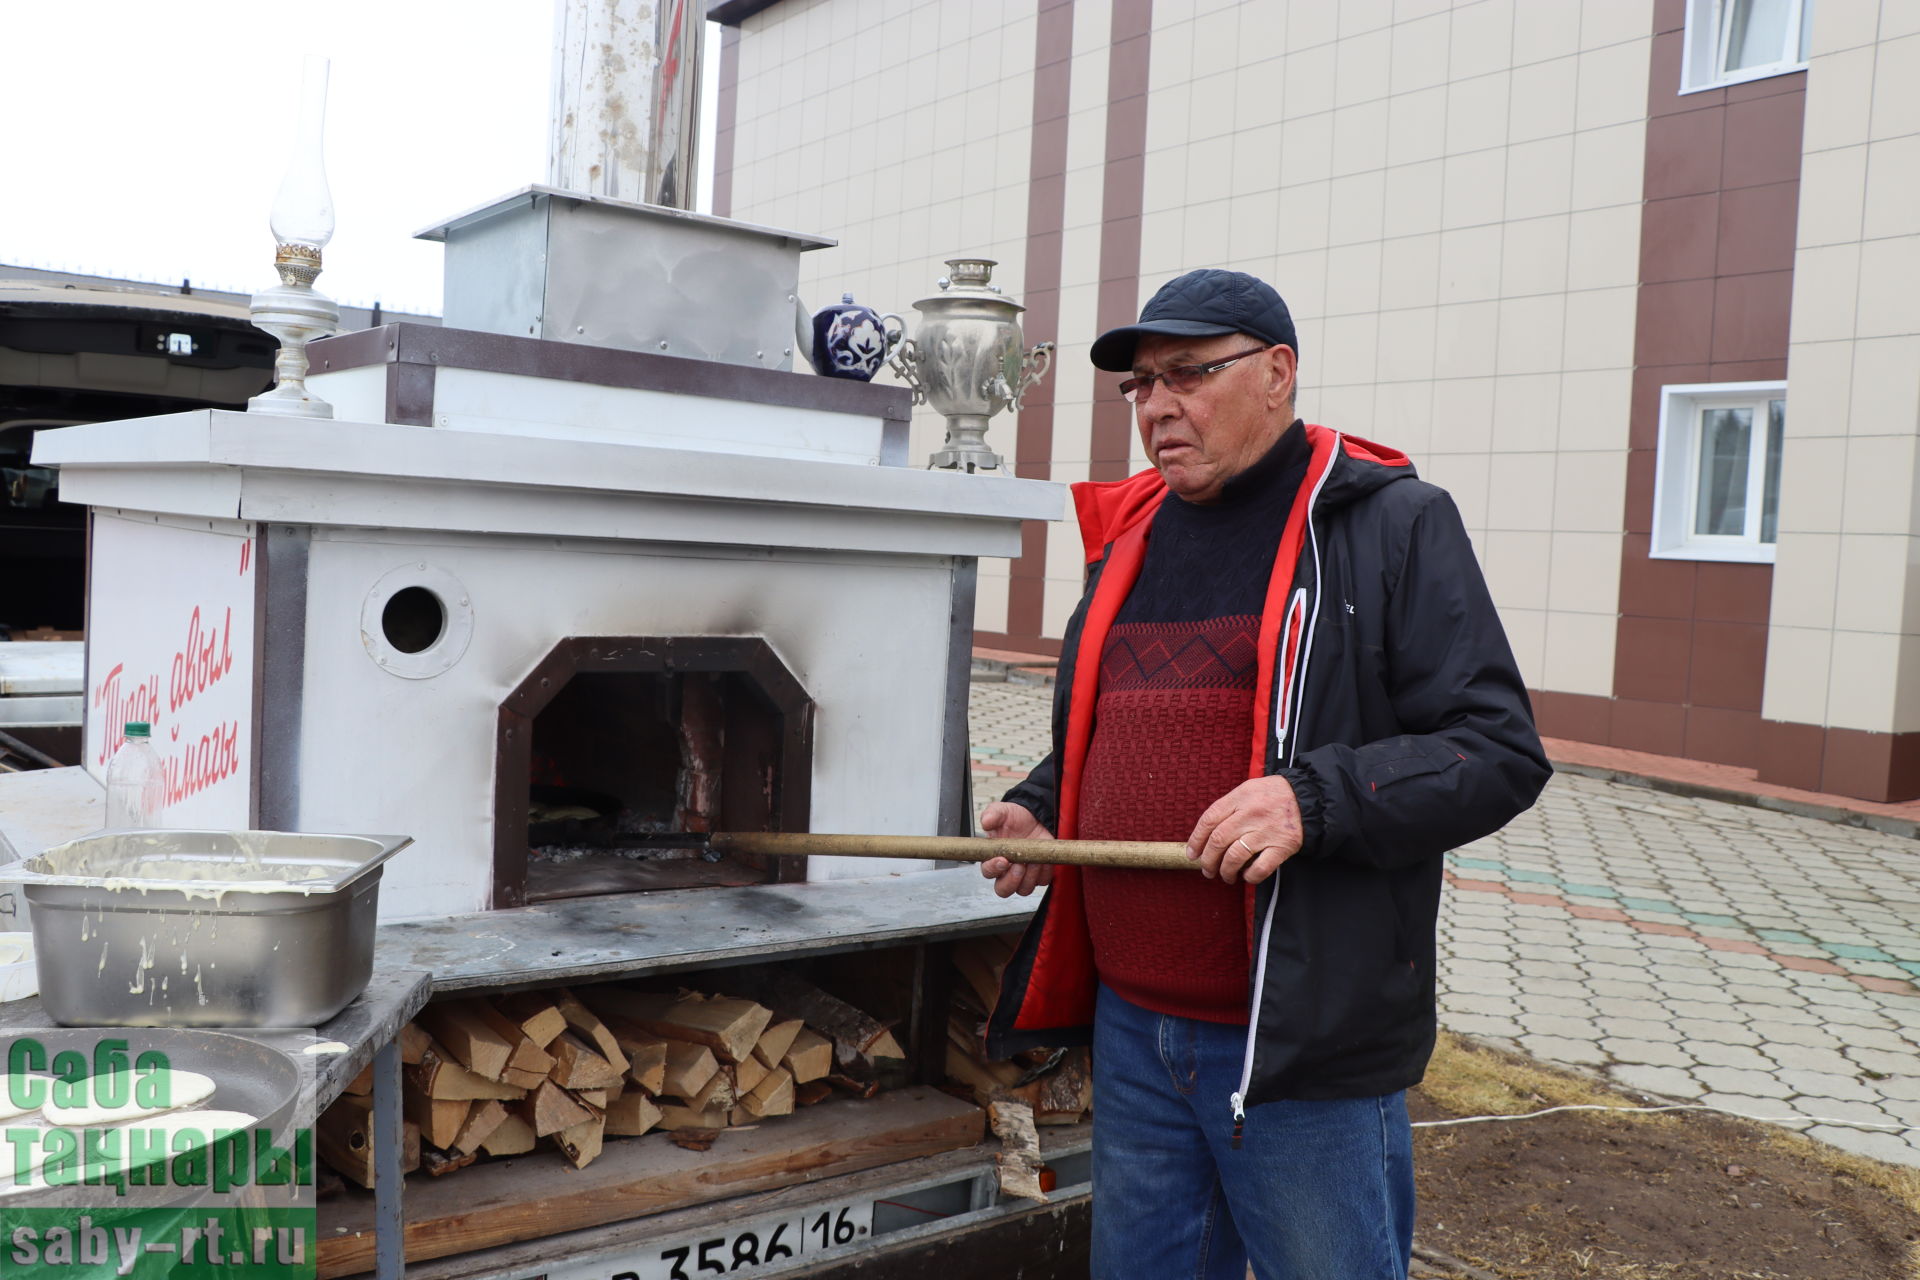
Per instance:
x=1317, y=1190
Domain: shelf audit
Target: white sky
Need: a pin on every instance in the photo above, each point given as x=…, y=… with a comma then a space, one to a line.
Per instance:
x=137, y=138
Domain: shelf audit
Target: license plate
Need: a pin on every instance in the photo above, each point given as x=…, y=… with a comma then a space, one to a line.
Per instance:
x=744, y=1250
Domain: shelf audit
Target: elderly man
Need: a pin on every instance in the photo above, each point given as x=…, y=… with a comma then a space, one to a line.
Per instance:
x=1287, y=658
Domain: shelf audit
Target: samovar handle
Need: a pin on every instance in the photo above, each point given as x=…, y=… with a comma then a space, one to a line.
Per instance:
x=904, y=359
x=1033, y=367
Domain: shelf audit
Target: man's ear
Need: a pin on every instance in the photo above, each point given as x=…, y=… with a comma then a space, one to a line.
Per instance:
x=1283, y=368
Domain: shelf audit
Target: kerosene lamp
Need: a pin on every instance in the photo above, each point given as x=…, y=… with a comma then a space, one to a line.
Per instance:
x=302, y=221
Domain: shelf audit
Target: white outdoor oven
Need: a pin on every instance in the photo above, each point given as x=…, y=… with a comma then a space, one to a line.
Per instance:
x=524, y=596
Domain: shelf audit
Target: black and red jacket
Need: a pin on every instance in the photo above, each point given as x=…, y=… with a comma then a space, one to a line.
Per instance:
x=1389, y=699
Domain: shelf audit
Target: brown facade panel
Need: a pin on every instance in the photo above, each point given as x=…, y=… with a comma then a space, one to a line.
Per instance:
x=1679, y=237
x=1652, y=588
x=1733, y=593
x=1674, y=324
x=1580, y=717
x=1683, y=153
x=1728, y=664
x=1656, y=727
x=1750, y=316
x=1017, y=643
x=1763, y=134
x=1723, y=737
x=1717, y=240
x=1873, y=766
x=1756, y=228
x=1650, y=660
x=1789, y=755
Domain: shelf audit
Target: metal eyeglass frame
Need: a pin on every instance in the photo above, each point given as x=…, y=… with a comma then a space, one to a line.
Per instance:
x=1182, y=379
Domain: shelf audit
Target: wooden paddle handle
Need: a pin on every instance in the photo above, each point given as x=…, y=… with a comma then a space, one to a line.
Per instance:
x=1133, y=855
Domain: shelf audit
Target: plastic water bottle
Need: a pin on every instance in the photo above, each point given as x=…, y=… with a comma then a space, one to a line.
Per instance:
x=136, y=781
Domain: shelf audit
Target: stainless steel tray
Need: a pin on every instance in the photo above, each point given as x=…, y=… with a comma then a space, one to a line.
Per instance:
x=205, y=928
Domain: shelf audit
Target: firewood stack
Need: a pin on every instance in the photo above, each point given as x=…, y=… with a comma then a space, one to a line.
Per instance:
x=1056, y=1083
x=497, y=1076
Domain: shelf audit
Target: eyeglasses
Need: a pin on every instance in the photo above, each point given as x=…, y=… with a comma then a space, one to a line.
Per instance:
x=1181, y=379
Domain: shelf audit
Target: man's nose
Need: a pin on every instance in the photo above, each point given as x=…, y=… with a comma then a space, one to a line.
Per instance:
x=1159, y=402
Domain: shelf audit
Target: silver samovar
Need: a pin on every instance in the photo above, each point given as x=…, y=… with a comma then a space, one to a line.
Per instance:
x=968, y=359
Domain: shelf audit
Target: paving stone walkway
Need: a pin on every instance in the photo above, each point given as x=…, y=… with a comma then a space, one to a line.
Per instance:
x=1711, y=952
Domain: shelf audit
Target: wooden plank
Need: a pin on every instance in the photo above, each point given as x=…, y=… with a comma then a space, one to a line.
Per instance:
x=493, y=1204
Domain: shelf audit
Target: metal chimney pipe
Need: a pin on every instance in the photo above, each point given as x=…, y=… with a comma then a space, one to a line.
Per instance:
x=626, y=99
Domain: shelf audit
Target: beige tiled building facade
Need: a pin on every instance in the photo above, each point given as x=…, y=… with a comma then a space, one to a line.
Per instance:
x=1637, y=280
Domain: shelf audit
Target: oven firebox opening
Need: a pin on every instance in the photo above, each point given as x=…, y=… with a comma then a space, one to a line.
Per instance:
x=612, y=743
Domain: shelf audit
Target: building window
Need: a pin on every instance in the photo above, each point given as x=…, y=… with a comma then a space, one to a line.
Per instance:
x=1716, y=488
x=1728, y=41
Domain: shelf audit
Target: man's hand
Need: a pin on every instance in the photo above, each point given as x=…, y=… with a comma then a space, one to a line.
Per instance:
x=1248, y=832
x=1004, y=821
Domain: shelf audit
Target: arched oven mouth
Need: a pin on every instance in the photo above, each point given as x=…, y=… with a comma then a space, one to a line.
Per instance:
x=613, y=742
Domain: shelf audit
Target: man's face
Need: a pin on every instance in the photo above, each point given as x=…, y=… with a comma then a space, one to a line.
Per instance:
x=1204, y=438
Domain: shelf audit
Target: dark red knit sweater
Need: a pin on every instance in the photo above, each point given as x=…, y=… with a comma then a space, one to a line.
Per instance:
x=1172, y=728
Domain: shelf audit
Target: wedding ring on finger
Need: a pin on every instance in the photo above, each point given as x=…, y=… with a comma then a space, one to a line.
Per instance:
x=1251, y=851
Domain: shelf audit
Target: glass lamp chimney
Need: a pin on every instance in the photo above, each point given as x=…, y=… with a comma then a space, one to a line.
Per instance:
x=303, y=209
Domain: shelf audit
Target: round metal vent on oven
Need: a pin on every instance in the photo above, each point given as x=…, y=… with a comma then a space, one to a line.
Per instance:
x=417, y=621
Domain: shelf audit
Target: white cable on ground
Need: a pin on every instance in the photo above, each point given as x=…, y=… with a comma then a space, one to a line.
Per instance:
x=1678, y=1106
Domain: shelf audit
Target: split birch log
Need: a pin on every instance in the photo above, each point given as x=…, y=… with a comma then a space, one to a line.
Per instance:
x=1018, y=1160
x=577, y=1066
x=631, y=1114
x=549, y=1109
x=481, y=1122
x=673, y=1115
x=513, y=1137
x=590, y=1028
x=728, y=1026
x=361, y=1086
x=581, y=1143
x=646, y=1053
x=413, y=1043
x=439, y=1076
x=437, y=1162
x=462, y=1028
x=772, y=1097
x=810, y=1058
x=719, y=1095
x=525, y=1081
x=527, y=1056
x=688, y=1068
x=440, y=1119
x=535, y=1013
x=748, y=1072
x=776, y=1040
x=857, y=1036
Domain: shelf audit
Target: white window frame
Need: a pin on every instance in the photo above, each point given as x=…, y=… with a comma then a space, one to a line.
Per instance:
x=1704, y=49
x=1676, y=477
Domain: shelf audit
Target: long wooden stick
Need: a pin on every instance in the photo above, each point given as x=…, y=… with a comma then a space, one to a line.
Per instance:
x=1134, y=855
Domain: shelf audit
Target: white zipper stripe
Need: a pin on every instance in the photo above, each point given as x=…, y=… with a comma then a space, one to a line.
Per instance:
x=1294, y=693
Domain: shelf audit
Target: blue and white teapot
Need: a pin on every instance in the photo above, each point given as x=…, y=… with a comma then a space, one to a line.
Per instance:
x=853, y=341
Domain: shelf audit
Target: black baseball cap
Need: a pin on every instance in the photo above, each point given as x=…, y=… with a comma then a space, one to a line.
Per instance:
x=1201, y=304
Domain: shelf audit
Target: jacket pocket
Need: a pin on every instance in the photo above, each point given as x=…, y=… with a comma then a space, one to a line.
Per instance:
x=1409, y=757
